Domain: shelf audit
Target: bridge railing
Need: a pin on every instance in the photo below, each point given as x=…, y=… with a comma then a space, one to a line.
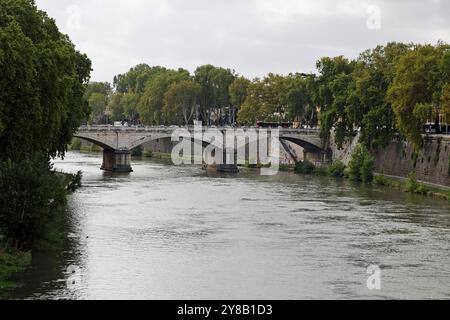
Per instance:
x=190, y=128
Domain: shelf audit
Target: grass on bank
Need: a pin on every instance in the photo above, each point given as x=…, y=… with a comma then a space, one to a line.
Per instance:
x=11, y=262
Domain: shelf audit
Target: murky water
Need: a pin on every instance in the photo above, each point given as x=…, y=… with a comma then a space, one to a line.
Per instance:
x=168, y=232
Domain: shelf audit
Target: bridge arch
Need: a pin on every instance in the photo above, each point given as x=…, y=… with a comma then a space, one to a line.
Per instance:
x=98, y=143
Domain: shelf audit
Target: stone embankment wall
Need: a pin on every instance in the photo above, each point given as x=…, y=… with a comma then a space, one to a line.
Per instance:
x=431, y=164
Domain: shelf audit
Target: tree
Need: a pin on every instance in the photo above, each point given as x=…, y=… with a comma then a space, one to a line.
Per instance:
x=368, y=107
x=446, y=100
x=97, y=104
x=215, y=83
x=417, y=89
x=115, y=107
x=130, y=102
x=103, y=88
x=250, y=110
x=135, y=80
x=42, y=83
x=180, y=101
x=299, y=100
x=152, y=101
x=238, y=94
x=266, y=100
x=332, y=97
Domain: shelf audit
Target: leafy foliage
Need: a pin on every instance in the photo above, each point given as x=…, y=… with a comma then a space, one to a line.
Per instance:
x=180, y=101
x=361, y=167
x=42, y=83
x=414, y=186
x=336, y=169
x=29, y=197
x=304, y=167
x=42, y=103
x=417, y=89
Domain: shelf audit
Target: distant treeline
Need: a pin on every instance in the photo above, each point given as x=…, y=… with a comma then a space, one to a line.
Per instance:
x=389, y=89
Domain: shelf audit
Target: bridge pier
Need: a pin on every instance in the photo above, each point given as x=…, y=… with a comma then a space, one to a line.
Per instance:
x=117, y=161
x=230, y=163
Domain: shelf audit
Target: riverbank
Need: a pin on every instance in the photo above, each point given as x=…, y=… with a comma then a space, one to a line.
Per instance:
x=11, y=262
x=52, y=235
x=412, y=185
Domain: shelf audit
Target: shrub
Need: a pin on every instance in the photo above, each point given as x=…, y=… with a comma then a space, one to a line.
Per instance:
x=304, y=167
x=414, y=186
x=74, y=182
x=362, y=165
x=337, y=169
x=382, y=180
x=30, y=197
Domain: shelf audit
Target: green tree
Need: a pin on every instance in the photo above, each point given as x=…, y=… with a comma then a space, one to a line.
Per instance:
x=335, y=77
x=115, y=107
x=238, y=94
x=130, y=103
x=267, y=100
x=180, y=101
x=215, y=96
x=42, y=83
x=98, y=87
x=417, y=89
x=368, y=107
x=150, y=106
x=135, y=80
x=97, y=104
x=299, y=100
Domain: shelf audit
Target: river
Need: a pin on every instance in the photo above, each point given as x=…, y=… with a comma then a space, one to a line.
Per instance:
x=166, y=232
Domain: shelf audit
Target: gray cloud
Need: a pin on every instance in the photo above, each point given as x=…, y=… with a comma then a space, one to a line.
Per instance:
x=253, y=37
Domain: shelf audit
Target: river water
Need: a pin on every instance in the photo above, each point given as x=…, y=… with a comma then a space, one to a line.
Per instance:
x=166, y=232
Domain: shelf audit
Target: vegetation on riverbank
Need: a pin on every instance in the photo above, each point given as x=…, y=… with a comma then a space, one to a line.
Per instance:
x=32, y=212
x=412, y=185
x=42, y=83
x=11, y=262
x=361, y=169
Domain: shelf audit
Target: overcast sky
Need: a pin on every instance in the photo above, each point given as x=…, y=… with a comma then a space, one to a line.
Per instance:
x=253, y=37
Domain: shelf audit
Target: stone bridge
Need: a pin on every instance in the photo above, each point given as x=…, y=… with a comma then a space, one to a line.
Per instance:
x=117, y=142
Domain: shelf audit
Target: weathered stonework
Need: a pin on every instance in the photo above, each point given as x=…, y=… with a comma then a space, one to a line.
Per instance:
x=431, y=164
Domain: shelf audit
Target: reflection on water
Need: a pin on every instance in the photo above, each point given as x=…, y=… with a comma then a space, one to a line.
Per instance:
x=166, y=232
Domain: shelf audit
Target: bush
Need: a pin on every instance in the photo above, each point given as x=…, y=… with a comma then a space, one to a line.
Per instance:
x=30, y=197
x=337, y=169
x=362, y=165
x=382, y=180
x=304, y=167
x=414, y=186
x=74, y=181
